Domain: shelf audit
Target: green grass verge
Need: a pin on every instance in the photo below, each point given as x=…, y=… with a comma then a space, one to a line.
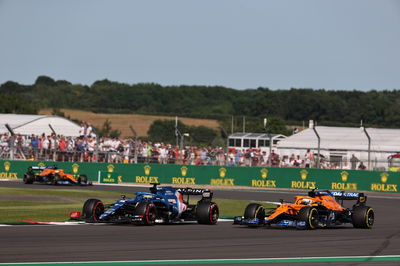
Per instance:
x=63, y=202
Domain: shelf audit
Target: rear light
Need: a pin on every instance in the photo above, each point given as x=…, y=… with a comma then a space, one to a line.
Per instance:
x=74, y=215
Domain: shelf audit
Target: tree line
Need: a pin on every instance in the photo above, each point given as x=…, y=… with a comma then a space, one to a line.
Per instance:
x=293, y=106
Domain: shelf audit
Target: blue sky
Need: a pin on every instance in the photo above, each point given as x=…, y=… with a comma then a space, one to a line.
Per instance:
x=335, y=45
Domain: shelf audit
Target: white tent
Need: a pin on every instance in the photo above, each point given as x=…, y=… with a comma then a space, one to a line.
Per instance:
x=343, y=142
x=38, y=124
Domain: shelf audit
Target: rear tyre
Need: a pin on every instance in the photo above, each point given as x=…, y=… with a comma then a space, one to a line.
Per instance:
x=55, y=179
x=310, y=216
x=92, y=209
x=148, y=211
x=363, y=217
x=255, y=210
x=82, y=178
x=28, y=179
x=207, y=212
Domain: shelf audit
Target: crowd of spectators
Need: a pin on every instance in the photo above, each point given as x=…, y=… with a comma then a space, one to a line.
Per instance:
x=87, y=148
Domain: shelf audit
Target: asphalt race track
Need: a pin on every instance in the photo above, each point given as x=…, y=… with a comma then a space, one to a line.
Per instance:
x=99, y=242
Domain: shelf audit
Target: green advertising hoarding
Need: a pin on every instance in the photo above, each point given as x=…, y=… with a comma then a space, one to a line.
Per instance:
x=260, y=177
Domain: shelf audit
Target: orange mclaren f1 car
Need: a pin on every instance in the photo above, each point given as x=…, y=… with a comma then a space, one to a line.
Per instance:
x=321, y=208
x=54, y=176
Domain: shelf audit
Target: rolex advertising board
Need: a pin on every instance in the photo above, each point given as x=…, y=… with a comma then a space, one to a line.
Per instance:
x=189, y=175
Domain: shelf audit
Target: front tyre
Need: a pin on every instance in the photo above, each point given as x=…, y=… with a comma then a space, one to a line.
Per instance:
x=310, y=216
x=207, y=212
x=363, y=217
x=147, y=211
x=255, y=211
x=92, y=209
x=28, y=178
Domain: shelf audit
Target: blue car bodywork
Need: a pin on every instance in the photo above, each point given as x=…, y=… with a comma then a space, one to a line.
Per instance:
x=163, y=204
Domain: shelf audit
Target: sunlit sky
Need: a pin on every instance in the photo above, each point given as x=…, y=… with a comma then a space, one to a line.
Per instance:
x=335, y=45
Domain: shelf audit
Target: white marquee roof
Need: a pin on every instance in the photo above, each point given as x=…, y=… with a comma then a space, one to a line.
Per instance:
x=38, y=124
x=344, y=138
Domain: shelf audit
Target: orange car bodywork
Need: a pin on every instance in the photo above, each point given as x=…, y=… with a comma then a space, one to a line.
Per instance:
x=60, y=172
x=293, y=208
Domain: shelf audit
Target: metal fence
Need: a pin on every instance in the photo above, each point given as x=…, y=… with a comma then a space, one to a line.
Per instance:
x=134, y=153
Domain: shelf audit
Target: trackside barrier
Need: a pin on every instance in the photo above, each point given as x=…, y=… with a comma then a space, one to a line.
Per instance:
x=109, y=177
x=294, y=178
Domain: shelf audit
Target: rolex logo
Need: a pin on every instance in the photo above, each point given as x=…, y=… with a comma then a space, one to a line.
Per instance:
x=344, y=175
x=384, y=177
x=75, y=168
x=147, y=169
x=184, y=170
x=41, y=164
x=110, y=168
x=7, y=166
x=303, y=174
x=264, y=173
x=222, y=172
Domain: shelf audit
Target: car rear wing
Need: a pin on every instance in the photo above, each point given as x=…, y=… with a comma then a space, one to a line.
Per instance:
x=37, y=167
x=205, y=193
x=341, y=195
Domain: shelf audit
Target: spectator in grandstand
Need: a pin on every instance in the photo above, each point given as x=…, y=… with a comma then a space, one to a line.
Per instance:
x=354, y=160
x=274, y=159
x=91, y=147
x=361, y=166
x=284, y=162
x=82, y=129
x=35, y=146
x=46, y=147
x=62, y=148
x=308, y=158
x=53, y=146
x=298, y=162
x=163, y=154
x=89, y=130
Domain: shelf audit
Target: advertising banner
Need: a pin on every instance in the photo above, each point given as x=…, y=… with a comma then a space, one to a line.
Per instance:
x=258, y=177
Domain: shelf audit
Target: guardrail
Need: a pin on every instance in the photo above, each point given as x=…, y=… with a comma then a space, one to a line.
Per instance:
x=263, y=177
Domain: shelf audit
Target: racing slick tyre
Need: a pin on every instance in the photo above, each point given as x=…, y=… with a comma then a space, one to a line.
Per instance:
x=310, y=216
x=148, y=211
x=82, y=178
x=28, y=179
x=92, y=209
x=55, y=179
x=255, y=210
x=207, y=212
x=363, y=217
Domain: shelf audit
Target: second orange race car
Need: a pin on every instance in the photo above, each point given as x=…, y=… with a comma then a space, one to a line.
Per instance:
x=320, y=208
x=54, y=176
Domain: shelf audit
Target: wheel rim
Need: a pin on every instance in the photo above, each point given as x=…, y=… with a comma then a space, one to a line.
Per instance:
x=370, y=217
x=214, y=214
x=97, y=210
x=313, y=218
x=150, y=215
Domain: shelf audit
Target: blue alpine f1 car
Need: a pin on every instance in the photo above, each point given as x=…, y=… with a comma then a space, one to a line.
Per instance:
x=163, y=204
